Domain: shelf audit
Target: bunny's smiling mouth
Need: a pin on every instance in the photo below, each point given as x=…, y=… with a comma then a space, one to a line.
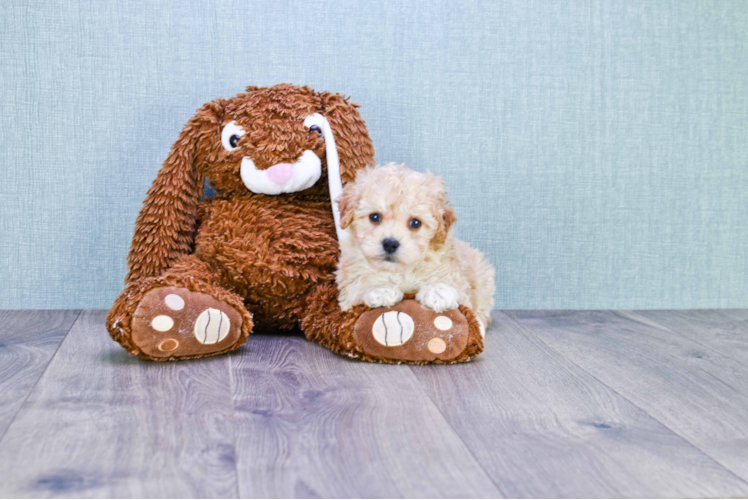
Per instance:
x=283, y=177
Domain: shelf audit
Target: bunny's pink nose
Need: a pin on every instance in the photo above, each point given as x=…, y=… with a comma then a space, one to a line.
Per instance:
x=280, y=173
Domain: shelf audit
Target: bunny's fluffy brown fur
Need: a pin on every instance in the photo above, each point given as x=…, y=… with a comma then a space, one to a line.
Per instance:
x=272, y=258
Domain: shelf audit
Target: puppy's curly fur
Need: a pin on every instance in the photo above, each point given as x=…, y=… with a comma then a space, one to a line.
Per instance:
x=402, y=242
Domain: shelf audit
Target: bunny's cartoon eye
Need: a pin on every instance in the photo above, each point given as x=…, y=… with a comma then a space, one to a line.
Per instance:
x=231, y=135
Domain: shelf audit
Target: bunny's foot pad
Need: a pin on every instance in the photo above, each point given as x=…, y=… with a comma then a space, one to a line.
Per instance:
x=411, y=333
x=173, y=322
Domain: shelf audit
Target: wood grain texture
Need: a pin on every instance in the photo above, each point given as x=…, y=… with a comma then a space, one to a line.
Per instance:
x=312, y=424
x=725, y=331
x=561, y=404
x=28, y=340
x=101, y=423
x=542, y=427
x=695, y=391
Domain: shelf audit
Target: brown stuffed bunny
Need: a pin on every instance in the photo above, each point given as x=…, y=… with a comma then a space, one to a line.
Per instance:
x=262, y=252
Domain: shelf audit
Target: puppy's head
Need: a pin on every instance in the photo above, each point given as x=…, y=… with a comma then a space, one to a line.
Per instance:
x=396, y=215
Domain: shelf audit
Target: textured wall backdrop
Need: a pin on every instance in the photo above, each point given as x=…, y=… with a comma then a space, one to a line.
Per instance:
x=596, y=150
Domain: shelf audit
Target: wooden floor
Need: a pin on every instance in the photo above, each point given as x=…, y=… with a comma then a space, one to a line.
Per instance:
x=561, y=404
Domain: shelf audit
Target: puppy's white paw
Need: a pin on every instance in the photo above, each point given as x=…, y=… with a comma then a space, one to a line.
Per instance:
x=438, y=297
x=382, y=297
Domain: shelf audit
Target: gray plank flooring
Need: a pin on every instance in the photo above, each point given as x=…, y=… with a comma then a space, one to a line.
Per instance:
x=312, y=424
x=723, y=331
x=699, y=393
x=102, y=423
x=562, y=404
x=543, y=427
x=28, y=340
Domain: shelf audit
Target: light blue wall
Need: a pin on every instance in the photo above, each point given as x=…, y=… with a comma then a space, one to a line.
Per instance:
x=597, y=151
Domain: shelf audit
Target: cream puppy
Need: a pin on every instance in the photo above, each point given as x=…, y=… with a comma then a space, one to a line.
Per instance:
x=401, y=242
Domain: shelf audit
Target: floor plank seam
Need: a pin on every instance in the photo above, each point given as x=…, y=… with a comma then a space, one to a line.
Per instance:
x=433, y=403
x=720, y=464
x=234, y=424
x=645, y=320
x=36, y=382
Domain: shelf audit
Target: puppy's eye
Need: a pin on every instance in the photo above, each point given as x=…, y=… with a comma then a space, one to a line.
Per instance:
x=375, y=218
x=230, y=136
x=315, y=128
x=414, y=223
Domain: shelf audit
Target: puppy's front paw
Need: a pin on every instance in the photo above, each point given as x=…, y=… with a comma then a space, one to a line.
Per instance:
x=439, y=297
x=382, y=297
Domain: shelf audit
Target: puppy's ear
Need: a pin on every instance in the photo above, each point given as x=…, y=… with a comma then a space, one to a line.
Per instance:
x=355, y=149
x=447, y=215
x=164, y=230
x=445, y=223
x=347, y=205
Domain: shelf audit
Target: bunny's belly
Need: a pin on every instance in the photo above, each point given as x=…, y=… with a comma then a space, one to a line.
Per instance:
x=271, y=250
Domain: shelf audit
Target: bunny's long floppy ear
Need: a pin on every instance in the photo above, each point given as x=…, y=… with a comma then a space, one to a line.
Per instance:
x=355, y=149
x=165, y=228
x=348, y=147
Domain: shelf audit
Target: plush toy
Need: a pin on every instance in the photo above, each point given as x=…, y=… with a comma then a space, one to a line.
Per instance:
x=260, y=254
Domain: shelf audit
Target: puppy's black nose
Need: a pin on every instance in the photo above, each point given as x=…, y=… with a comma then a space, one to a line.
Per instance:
x=390, y=245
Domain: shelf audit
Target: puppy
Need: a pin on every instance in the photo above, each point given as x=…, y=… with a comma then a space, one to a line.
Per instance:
x=401, y=242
